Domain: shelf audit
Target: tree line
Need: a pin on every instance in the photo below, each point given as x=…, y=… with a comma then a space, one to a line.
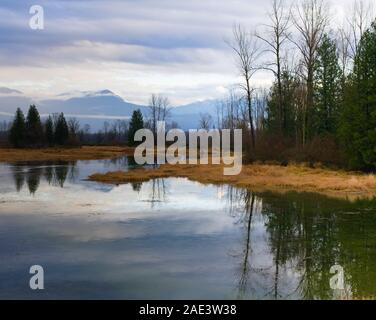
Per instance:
x=31, y=132
x=322, y=104
x=56, y=130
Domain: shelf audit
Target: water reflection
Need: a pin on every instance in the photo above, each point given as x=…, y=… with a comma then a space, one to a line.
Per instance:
x=306, y=235
x=57, y=173
x=248, y=199
x=54, y=173
x=174, y=238
x=123, y=162
x=19, y=178
x=157, y=193
x=136, y=186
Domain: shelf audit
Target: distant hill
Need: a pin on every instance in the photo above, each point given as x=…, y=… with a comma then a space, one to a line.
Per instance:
x=11, y=99
x=95, y=107
x=101, y=103
x=188, y=116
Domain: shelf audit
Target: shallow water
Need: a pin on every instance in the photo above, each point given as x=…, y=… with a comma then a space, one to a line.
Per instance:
x=175, y=239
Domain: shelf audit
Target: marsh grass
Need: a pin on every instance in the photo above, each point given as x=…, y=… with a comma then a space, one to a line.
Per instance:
x=78, y=153
x=261, y=177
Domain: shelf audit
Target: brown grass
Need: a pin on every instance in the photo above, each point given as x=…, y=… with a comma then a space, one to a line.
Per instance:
x=81, y=153
x=259, y=177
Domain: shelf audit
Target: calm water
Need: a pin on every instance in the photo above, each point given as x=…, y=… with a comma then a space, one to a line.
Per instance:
x=175, y=239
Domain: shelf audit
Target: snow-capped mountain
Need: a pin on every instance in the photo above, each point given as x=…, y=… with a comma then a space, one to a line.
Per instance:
x=95, y=107
x=98, y=103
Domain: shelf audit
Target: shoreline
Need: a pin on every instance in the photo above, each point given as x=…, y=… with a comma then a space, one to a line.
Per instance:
x=64, y=153
x=258, y=177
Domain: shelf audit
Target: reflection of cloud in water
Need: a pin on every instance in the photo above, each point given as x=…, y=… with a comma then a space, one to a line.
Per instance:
x=122, y=203
x=173, y=238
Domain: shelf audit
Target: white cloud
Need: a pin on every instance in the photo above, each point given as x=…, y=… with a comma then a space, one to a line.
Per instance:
x=131, y=47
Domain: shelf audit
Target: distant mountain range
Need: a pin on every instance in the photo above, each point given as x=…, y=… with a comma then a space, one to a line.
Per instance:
x=94, y=108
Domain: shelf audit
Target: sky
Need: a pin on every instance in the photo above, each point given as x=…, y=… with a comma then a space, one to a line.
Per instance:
x=131, y=47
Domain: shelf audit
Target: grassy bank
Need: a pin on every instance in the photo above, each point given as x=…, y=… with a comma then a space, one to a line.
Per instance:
x=45, y=154
x=259, y=177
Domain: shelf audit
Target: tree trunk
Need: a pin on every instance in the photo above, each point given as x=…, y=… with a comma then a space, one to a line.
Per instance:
x=249, y=100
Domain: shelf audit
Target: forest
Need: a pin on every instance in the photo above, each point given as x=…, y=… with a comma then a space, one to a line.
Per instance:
x=321, y=106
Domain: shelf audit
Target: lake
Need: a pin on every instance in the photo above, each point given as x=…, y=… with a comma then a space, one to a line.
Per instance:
x=175, y=239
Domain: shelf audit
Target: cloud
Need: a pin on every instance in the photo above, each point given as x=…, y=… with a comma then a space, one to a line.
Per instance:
x=131, y=47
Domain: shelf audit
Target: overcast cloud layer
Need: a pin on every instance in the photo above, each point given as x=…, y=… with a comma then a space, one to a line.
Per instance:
x=133, y=48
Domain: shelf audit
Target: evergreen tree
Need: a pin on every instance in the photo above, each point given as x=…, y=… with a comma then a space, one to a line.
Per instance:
x=137, y=123
x=61, y=130
x=49, y=131
x=17, y=131
x=358, y=120
x=289, y=86
x=34, y=129
x=327, y=88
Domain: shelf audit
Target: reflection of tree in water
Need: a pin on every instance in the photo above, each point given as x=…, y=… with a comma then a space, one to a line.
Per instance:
x=243, y=205
x=158, y=191
x=55, y=173
x=49, y=173
x=302, y=235
x=73, y=171
x=307, y=234
x=121, y=162
x=62, y=170
x=136, y=186
x=61, y=173
x=18, y=176
x=249, y=201
x=132, y=162
x=33, y=178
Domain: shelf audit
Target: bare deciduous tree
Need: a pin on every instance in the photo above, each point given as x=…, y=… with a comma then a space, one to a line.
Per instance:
x=359, y=21
x=159, y=107
x=74, y=126
x=206, y=121
x=276, y=34
x=233, y=111
x=343, y=52
x=261, y=97
x=310, y=19
x=220, y=114
x=247, y=52
x=4, y=126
